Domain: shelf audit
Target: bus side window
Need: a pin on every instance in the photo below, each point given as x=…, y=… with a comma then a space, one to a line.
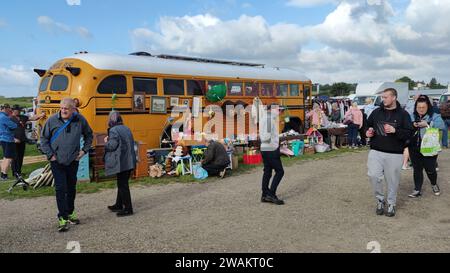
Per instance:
x=252, y=89
x=266, y=90
x=295, y=91
x=116, y=84
x=282, y=90
x=174, y=87
x=147, y=85
x=235, y=89
x=196, y=88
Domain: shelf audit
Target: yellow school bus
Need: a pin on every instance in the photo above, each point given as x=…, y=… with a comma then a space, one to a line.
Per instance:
x=143, y=87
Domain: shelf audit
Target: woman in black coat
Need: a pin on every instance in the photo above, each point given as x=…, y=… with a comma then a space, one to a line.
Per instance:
x=120, y=160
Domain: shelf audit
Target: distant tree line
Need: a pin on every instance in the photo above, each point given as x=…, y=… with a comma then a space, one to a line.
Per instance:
x=345, y=89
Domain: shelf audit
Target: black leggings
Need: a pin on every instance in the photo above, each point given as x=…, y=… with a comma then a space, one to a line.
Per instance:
x=420, y=163
x=17, y=163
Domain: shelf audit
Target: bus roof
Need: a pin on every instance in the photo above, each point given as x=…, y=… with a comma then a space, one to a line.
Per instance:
x=154, y=64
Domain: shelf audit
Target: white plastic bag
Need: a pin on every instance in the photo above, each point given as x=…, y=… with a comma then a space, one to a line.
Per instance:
x=430, y=145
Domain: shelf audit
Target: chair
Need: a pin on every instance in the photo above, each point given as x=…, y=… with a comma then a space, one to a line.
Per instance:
x=186, y=169
x=186, y=164
x=197, y=153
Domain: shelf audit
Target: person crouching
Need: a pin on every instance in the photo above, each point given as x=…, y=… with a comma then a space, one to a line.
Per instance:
x=216, y=159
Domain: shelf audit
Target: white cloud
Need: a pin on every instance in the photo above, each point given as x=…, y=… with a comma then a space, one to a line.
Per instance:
x=358, y=41
x=430, y=28
x=83, y=32
x=205, y=35
x=18, y=80
x=2, y=23
x=356, y=27
x=73, y=2
x=57, y=28
x=52, y=26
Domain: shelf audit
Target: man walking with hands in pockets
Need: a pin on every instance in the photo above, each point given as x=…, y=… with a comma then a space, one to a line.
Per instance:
x=60, y=141
x=389, y=128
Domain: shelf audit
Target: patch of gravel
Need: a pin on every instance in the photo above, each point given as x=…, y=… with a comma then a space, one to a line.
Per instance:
x=329, y=208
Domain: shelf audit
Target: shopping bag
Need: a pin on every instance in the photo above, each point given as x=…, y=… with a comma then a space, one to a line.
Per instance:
x=430, y=145
x=199, y=172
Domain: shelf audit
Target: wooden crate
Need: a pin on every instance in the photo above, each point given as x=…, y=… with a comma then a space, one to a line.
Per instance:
x=142, y=164
x=98, y=163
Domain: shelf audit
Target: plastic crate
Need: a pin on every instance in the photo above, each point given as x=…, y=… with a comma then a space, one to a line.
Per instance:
x=252, y=159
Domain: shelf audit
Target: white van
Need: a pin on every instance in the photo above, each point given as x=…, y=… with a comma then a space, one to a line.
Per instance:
x=374, y=91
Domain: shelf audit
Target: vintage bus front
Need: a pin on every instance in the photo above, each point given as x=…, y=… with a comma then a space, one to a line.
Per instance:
x=67, y=78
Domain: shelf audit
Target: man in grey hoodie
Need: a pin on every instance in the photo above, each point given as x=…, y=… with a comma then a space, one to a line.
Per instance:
x=270, y=151
x=60, y=141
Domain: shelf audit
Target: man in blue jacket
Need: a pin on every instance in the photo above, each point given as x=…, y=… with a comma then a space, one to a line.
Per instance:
x=7, y=127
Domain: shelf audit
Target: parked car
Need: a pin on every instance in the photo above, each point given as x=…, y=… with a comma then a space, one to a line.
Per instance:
x=444, y=105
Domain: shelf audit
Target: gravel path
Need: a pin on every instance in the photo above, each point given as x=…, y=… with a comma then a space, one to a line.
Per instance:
x=330, y=208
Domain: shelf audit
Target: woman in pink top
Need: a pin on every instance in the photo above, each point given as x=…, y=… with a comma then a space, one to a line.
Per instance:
x=356, y=117
x=317, y=116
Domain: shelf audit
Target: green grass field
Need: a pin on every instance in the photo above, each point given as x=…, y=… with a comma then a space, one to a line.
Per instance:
x=22, y=101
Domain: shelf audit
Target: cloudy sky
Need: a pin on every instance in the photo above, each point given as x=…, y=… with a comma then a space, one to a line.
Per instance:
x=328, y=40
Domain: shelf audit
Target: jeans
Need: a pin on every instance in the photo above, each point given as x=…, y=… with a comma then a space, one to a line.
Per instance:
x=65, y=187
x=420, y=163
x=353, y=134
x=123, y=191
x=272, y=161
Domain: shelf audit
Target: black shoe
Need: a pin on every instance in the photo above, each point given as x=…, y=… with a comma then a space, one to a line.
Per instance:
x=264, y=199
x=415, y=194
x=391, y=211
x=3, y=177
x=115, y=208
x=380, y=208
x=124, y=213
x=274, y=200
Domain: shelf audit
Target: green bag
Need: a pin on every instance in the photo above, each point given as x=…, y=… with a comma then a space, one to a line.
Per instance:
x=430, y=145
